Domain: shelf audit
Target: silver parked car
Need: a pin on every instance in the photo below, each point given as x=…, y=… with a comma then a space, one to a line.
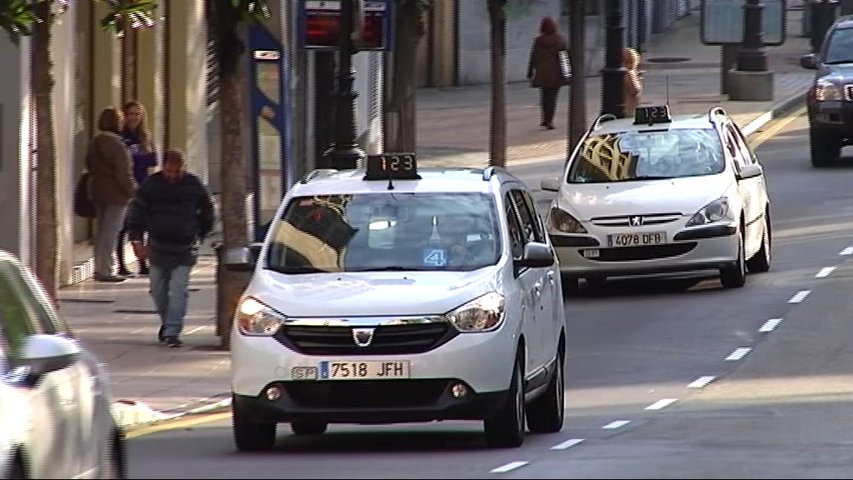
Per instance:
x=55, y=417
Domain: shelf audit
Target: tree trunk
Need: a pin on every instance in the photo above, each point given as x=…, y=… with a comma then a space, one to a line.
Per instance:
x=497, y=124
x=46, y=216
x=577, y=92
x=233, y=173
x=400, y=122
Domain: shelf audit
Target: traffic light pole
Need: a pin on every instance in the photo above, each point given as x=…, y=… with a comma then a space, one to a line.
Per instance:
x=346, y=153
x=752, y=57
x=613, y=73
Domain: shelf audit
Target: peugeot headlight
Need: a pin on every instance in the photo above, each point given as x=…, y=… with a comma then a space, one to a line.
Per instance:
x=716, y=211
x=479, y=315
x=256, y=319
x=826, y=90
x=564, y=222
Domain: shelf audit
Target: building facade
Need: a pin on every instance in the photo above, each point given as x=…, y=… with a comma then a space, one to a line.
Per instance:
x=169, y=68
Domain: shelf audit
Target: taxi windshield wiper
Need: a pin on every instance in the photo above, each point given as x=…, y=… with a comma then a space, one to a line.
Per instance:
x=644, y=177
x=295, y=270
x=389, y=268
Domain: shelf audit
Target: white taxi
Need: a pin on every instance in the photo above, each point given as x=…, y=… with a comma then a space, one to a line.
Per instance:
x=656, y=194
x=393, y=294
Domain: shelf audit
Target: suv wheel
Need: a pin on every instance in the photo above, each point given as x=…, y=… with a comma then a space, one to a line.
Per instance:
x=545, y=414
x=308, y=428
x=251, y=436
x=735, y=276
x=824, y=147
x=506, y=427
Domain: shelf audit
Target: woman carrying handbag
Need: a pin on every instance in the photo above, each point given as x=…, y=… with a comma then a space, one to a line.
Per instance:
x=549, y=68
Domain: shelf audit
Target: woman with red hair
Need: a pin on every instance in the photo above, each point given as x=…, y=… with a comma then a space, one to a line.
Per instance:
x=544, y=69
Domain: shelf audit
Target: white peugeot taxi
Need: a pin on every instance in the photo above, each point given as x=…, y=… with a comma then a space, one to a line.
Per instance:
x=658, y=194
x=390, y=295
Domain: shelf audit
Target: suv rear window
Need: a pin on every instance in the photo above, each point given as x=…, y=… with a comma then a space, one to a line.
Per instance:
x=641, y=155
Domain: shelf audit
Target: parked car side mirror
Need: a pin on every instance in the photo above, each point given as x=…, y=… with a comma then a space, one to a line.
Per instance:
x=241, y=259
x=750, y=171
x=808, y=61
x=42, y=354
x=536, y=255
x=550, y=184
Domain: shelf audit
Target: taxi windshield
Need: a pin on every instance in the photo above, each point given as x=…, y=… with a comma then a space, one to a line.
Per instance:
x=385, y=232
x=643, y=155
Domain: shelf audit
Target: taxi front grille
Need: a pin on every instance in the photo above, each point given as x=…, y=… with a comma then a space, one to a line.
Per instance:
x=366, y=393
x=627, y=254
x=387, y=339
x=636, y=220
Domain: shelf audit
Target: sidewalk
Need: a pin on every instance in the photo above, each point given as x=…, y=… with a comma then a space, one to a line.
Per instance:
x=151, y=382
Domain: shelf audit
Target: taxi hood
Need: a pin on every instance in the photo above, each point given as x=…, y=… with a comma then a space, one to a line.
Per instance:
x=370, y=293
x=685, y=195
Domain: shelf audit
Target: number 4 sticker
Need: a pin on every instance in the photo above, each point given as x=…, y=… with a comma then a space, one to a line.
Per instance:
x=435, y=257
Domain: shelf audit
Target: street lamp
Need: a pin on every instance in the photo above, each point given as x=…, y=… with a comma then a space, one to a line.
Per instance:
x=345, y=153
x=752, y=56
x=613, y=73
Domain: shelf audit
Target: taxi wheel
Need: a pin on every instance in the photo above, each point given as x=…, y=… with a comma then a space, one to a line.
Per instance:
x=761, y=261
x=506, y=428
x=250, y=436
x=545, y=414
x=308, y=428
x=115, y=463
x=735, y=276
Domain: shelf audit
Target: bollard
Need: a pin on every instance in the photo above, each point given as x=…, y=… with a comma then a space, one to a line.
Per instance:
x=823, y=14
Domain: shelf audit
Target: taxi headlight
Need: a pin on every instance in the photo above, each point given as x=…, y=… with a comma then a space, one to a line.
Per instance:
x=716, y=211
x=256, y=319
x=826, y=90
x=564, y=222
x=479, y=315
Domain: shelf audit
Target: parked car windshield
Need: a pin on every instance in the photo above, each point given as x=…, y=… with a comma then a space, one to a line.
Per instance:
x=642, y=155
x=385, y=232
x=840, y=46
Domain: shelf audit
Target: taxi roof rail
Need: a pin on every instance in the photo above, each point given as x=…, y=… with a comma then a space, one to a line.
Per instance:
x=604, y=117
x=715, y=112
x=317, y=173
x=488, y=172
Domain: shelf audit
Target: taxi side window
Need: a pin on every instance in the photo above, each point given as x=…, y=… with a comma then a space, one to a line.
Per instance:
x=737, y=148
x=16, y=317
x=32, y=298
x=516, y=238
x=528, y=221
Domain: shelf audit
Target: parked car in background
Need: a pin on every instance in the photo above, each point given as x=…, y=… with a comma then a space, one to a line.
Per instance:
x=55, y=416
x=830, y=98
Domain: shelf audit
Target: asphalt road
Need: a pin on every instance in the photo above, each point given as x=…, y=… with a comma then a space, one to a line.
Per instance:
x=668, y=377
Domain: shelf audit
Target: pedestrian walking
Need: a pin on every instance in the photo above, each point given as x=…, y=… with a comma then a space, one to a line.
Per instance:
x=111, y=187
x=169, y=216
x=544, y=69
x=633, y=86
x=137, y=137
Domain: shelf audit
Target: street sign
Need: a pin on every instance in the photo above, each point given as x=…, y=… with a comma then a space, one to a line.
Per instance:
x=721, y=22
x=319, y=24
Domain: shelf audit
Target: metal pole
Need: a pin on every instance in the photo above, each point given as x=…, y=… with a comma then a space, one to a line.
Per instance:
x=346, y=153
x=613, y=73
x=577, y=90
x=752, y=56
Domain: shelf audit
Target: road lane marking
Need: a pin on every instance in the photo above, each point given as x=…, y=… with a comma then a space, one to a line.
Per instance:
x=824, y=272
x=846, y=251
x=509, y=466
x=662, y=403
x=568, y=444
x=181, y=422
x=191, y=331
x=701, y=381
x=770, y=325
x=800, y=296
x=738, y=353
x=616, y=424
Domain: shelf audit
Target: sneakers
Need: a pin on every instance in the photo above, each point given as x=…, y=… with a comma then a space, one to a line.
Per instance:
x=160, y=336
x=108, y=278
x=173, y=342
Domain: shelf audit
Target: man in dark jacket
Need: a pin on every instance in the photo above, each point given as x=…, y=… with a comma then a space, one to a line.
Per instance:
x=174, y=209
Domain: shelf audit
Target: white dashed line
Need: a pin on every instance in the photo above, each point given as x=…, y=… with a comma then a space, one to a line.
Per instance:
x=824, y=272
x=568, y=444
x=738, y=353
x=196, y=329
x=616, y=424
x=701, y=381
x=509, y=466
x=662, y=403
x=800, y=296
x=770, y=325
x=846, y=251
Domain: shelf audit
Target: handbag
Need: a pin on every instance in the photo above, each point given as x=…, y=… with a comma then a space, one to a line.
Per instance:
x=565, y=66
x=83, y=205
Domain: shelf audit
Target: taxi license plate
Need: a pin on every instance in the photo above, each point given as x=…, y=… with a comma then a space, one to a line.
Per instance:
x=362, y=370
x=636, y=239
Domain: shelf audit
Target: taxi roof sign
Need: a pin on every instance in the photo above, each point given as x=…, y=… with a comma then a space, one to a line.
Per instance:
x=392, y=166
x=650, y=115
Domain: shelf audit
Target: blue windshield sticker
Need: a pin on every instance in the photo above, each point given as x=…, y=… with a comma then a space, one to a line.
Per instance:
x=435, y=257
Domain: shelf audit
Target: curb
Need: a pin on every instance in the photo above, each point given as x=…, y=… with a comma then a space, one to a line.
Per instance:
x=132, y=415
x=778, y=109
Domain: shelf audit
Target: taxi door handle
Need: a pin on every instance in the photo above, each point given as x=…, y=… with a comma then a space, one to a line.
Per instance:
x=537, y=287
x=551, y=276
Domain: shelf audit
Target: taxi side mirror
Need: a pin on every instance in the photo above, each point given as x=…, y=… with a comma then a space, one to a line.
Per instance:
x=550, y=184
x=241, y=259
x=536, y=255
x=808, y=61
x=750, y=171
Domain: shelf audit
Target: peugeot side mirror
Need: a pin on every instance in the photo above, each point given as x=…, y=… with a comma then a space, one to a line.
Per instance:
x=808, y=61
x=536, y=255
x=750, y=171
x=40, y=355
x=240, y=259
x=550, y=184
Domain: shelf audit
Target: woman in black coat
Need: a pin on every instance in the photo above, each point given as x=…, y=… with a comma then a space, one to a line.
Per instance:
x=544, y=70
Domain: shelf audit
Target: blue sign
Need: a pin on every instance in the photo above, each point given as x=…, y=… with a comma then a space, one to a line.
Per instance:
x=722, y=22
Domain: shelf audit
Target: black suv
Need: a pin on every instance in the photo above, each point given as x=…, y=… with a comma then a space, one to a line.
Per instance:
x=830, y=99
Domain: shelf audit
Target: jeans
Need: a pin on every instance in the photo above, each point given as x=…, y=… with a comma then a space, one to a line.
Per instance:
x=169, y=289
x=109, y=221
